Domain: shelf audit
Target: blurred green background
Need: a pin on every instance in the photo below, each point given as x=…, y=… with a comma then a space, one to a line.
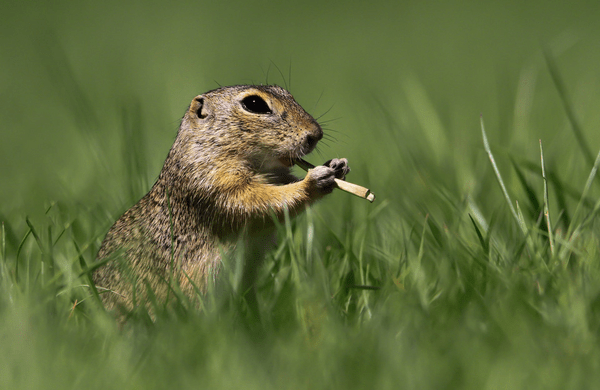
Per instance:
x=92, y=95
x=386, y=76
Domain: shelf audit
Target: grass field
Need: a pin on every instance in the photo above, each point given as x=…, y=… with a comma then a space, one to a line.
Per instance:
x=477, y=267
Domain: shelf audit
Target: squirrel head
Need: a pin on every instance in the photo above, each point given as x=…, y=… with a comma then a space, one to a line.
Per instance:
x=260, y=125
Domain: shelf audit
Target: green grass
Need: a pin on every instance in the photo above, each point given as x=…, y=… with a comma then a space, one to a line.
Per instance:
x=477, y=267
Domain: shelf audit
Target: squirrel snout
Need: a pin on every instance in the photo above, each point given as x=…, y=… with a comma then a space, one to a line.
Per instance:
x=311, y=139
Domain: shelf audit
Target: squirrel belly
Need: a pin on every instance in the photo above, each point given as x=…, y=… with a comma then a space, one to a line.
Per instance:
x=227, y=172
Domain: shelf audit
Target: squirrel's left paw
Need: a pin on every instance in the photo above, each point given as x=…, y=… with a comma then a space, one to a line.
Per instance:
x=340, y=166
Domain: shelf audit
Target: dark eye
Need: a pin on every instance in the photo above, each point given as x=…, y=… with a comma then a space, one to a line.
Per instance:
x=256, y=105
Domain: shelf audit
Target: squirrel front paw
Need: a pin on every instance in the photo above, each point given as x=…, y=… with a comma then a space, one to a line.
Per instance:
x=340, y=166
x=322, y=178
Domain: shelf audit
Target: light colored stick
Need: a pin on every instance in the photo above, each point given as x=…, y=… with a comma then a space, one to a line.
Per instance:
x=352, y=188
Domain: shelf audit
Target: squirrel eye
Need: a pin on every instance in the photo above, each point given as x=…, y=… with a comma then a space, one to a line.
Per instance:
x=256, y=105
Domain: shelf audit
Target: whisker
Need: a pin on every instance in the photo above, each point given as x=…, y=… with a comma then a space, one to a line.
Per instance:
x=318, y=100
x=326, y=112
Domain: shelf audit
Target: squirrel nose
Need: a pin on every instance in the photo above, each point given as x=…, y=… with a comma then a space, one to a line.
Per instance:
x=314, y=137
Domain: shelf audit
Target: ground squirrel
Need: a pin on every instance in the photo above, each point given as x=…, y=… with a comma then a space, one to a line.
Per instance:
x=228, y=171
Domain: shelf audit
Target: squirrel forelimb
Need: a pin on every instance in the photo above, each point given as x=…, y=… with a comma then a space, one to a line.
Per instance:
x=352, y=188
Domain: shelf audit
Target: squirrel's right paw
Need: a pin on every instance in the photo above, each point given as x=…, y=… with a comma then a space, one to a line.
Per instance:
x=340, y=166
x=321, y=179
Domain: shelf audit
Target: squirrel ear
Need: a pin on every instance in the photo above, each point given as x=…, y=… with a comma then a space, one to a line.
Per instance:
x=197, y=107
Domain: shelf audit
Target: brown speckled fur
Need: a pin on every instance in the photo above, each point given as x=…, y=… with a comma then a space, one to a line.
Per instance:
x=227, y=171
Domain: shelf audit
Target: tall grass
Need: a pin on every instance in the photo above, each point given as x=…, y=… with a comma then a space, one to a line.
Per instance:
x=461, y=300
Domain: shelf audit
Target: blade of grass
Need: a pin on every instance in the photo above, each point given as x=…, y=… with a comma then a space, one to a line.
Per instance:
x=568, y=106
x=3, y=244
x=35, y=236
x=573, y=231
x=482, y=241
x=477, y=214
x=561, y=187
x=531, y=195
x=19, y=249
x=546, y=203
x=88, y=274
x=591, y=215
x=45, y=264
x=417, y=271
x=4, y=269
x=586, y=189
x=486, y=145
x=561, y=191
x=11, y=238
x=528, y=238
x=427, y=115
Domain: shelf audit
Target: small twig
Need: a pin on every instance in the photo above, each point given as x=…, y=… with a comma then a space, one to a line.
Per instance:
x=354, y=189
